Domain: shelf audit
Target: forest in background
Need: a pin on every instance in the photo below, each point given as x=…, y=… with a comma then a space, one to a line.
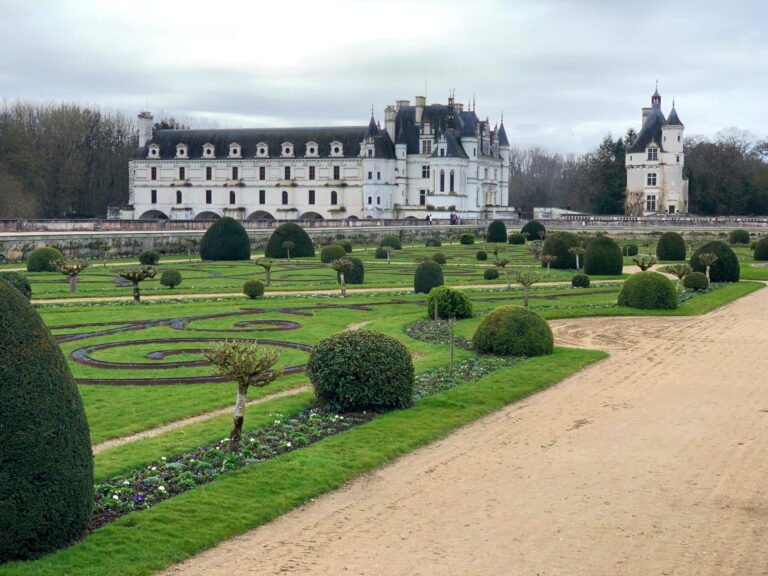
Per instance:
x=60, y=160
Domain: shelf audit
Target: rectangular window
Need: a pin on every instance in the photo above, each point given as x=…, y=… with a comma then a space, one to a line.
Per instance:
x=262, y=196
x=422, y=197
x=232, y=197
x=378, y=199
x=426, y=147
x=208, y=173
x=153, y=173
x=153, y=197
x=182, y=173
x=311, y=196
x=425, y=172
x=651, y=180
x=262, y=173
x=311, y=172
x=378, y=175
x=336, y=172
x=235, y=173
x=678, y=159
x=650, y=203
x=653, y=153
x=370, y=200
x=370, y=175
x=208, y=196
x=287, y=172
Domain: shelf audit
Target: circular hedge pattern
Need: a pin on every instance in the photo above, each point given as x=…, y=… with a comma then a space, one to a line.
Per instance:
x=761, y=249
x=513, y=331
x=532, y=229
x=603, y=257
x=428, y=275
x=557, y=244
x=648, y=291
x=225, y=239
x=670, y=246
x=331, y=253
x=725, y=269
x=44, y=259
x=289, y=232
x=451, y=303
x=497, y=232
x=361, y=369
x=695, y=281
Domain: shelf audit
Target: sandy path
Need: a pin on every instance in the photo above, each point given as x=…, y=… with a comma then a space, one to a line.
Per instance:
x=653, y=461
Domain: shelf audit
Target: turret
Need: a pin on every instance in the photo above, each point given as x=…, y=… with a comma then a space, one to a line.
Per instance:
x=145, y=128
x=673, y=132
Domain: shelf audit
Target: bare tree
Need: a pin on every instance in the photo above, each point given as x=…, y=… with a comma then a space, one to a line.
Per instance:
x=577, y=251
x=288, y=246
x=267, y=265
x=71, y=269
x=136, y=275
x=679, y=270
x=644, y=262
x=535, y=247
x=548, y=259
x=503, y=263
x=342, y=265
x=527, y=279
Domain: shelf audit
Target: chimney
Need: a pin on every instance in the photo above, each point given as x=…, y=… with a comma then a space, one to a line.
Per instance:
x=646, y=111
x=145, y=128
x=459, y=106
x=401, y=103
x=389, y=121
x=421, y=101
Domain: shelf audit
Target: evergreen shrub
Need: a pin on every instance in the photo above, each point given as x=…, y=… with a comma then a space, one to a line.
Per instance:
x=46, y=464
x=725, y=269
x=516, y=238
x=356, y=274
x=392, y=241
x=761, y=249
x=482, y=255
x=670, y=246
x=432, y=243
x=630, y=250
x=289, y=232
x=170, y=278
x=44, y=259
x=695, y=281
x=532, y=229
x=603, y=257
x=513, y=331
x=491, y=273
x=739, y=237
x=361, y=370
x=439, y=257
x=557, y=244
x=225, y=239
x=19, y=282
x=451, y=303
x=253, y=289
x=580, y=281
x=332, y=252
x=648, y=291
x=497, y=232
x=149, y=257
x=346, y=244
x=381, y=252
x=467, y=238
x=428, y=275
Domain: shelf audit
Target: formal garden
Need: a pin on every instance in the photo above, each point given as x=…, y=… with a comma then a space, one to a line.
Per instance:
x=337, y=381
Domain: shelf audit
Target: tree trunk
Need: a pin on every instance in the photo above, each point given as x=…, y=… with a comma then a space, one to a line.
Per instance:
x=266, y=280
x=73, y=283
x=343, y=284
x=708, y=280
x=506, y=276
x=136, y=293
x=237, y=420
x=577, y=263
x=525, y=296
x=547, y=268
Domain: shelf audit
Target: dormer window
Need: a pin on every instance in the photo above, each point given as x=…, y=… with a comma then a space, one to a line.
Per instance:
x=154, y=151
x=209, y=150
x=653, y=153
x=235, y=150
x=181, y=151
x=312, y=150
x=262, y=150
x=287, y=149
x=337, y=149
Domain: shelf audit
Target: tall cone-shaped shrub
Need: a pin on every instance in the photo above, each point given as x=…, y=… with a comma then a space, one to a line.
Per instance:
x=46, y=464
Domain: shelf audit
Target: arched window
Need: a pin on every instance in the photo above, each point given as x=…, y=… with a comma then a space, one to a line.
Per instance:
x=451, y=182
x=178, y=196
x=285, y=197
x=232, y=197
x=442, y=180
x=334, y=197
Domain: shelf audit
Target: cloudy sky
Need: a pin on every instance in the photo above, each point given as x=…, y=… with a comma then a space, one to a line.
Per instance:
x=563, y=72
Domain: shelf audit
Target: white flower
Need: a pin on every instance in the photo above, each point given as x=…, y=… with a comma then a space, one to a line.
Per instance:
x=288, y=444
x=115, y=497
x=163, y=458
x=253, y=439
x=153, y=468
x=161, y=488
x=126, y=483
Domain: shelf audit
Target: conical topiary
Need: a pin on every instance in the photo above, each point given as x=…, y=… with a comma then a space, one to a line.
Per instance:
x=226, y=239
x=670, y=246
x=301, y=247
x=497, y=232
x=603, y=257
x=46, y=464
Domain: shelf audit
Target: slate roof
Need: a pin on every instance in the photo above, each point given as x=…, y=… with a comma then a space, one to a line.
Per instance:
x=651, y=130
x=453, y=148
x=503, y=141
x=674, y=119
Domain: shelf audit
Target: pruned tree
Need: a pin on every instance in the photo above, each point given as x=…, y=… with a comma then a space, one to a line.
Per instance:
x=135, y=276
x=548, y=259
x=577, y=251
x=707, y=259
x=267, y=265
x=644, y=262
x=288, y=246
x=71, y=269
x=527, y=279
x=342, y=265
x=535, y=247
x=680, y=271
x=248, y=364
x=497, y=249
x=503, y=263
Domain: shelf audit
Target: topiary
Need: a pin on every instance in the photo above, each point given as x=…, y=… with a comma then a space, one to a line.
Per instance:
x=491, y=273
x=534, y=230
x=557, y=244
x=253, y=289
x=739, y=237
x=360, y=370
x=630, y=250
x=580, y=281
x=603, y=257
x=670, y=246
x=761, y=249
x=46, y=464
x=497, y=232
x=695, y=281
x=513, y=331
x=289, y=232
x=432, y=243
x=346, y=244
x=451, y=303
x=648, y=291
x=439, y=257
x=726, y=267
x=225, y=239
x=332, y=252
x=381, y=252
x=482, y=255
x=516, y=238
x=467, y=238
x=391, y=241
x=149, y=257
x=428, y=275
x=44, y=259
x=356, y=274
x=19, y=282
x=170, y=278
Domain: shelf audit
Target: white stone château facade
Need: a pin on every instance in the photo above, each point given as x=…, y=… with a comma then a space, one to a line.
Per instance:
x=427, y=159
x=655, y=162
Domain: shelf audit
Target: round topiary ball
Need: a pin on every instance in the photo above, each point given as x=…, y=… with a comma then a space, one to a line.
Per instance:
x=149, y=257
x=356, y=274
x=603, y=257
x=225, y=239
x=630, y=250
x=497, y=232
x=580, y=281
x=467, y=238
x=428, y=275
x=534, y=230
x=44, y=259
x=381, y=252
x=516, y=238
x=346, y=244
x=695, y=281
x=739, y=237
x=513, y=331
x=289, y=232
x=670, y=246
x=439, y=257
x=433, y=243
x=331, y=253
x=46, y=464
x=491, y=273
x=170, y=278
x=725, y=269
x=19, y=282
x=558, y=245
x=361, y=370
x=761, y=249
x=451, y=303
x=392, y=242
x=648, y=291
x=253, y=289
x=482, y=255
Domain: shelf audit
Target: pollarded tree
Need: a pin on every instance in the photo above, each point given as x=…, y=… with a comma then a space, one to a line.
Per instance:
x=267, y=265
x=644, y=262
x=527, y=279
x=680, y=271
x=248, y=364
x=71, y=269
x=342, y=265
x=548, y=259
x=707, y=259
x=503, y=263
x=535, y=247
x=577, y=251
x=288, y=246
x=136, y=275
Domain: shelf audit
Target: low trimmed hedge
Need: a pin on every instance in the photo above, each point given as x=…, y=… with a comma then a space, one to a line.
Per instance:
x=580, y=281
x=513, y=331
x=253, y=289
x=332, y=252
x=696, y=281
x=491, y=273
